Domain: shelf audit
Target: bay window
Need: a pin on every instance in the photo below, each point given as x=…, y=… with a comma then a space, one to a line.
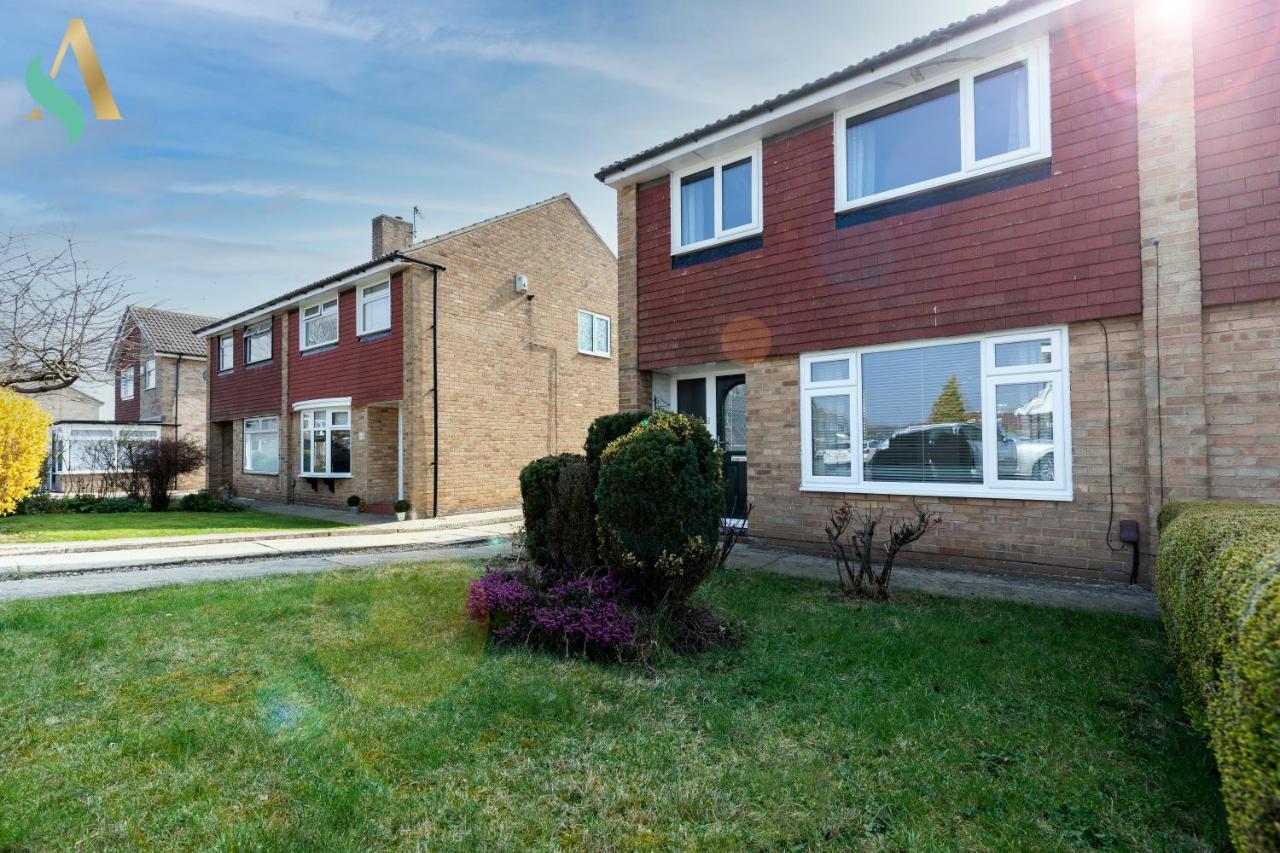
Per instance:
x=326, y=442
x=257, y=342
x=990, y=116
x=373, y=308
x=319, y=324
x=717, y=201
x=983, y=416
x=262, y=445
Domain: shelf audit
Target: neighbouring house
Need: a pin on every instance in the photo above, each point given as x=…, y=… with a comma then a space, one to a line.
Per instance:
x=432, y=372
x=1024, y=270
x=69, y=404
x=159, y=368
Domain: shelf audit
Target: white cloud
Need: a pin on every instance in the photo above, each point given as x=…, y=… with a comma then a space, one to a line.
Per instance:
x=318, y=195
x=315, y=15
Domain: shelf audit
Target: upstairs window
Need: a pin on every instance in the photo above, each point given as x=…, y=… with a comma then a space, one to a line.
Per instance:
x=126, y=384
x=373, y=308
x=593, y=334
x=226, y=352
x=320, y=324
x=991, y=116
x=257, y=342
x=715, y=203
x=149, y=374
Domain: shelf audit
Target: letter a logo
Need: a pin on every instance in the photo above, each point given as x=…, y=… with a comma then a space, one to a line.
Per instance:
x=59, y=104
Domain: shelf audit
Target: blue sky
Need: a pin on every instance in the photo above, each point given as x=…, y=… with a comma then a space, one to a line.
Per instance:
x=261, y=136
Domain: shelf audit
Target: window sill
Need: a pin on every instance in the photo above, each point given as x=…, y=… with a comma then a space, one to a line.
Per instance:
x=734, y=237
x=604, y=355
x=318, y=348
x=266, y=362
x=261, y=473
x=924, y=490
x=374, y=335
x=324, y=476
x=847, y=206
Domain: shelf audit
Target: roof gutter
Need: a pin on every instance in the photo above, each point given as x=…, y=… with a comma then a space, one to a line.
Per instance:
x=813, y=95
x=393, y=262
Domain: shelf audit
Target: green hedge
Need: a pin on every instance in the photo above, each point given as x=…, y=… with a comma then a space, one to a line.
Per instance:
x=606, y=428
x=659, y=496
x=1218, y=582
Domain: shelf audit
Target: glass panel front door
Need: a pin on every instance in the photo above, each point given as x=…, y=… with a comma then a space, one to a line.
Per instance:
x=731, y=427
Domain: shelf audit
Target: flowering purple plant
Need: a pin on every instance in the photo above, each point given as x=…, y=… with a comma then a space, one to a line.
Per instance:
x=586, y=616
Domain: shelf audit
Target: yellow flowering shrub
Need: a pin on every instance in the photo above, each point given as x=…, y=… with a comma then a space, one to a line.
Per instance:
x=24, y=441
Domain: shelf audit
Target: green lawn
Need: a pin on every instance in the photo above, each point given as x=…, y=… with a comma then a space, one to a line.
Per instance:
x=359, y=710
x=74, y=527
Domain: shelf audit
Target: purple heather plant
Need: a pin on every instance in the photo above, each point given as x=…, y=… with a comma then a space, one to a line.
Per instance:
x=541, y=609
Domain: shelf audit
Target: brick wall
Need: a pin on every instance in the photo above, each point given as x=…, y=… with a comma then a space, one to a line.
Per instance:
x=1061, y=248
x=1242, y=397
x=513, y=386
x=1057, y=539
x=1237, y=133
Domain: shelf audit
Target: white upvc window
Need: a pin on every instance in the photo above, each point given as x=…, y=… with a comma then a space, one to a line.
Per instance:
x=987, y=117
x=373, y=308
x=226, y=352
x=716, y=201
x=319, y=324
x=257, y=342
x=262, y=445
x=126, y=384
x=149, y=374
x=593, y=333
x=94, y=449
x=985, y=416
x=326, y=443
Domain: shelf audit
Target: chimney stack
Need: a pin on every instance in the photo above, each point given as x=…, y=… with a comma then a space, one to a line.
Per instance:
x=390, y=233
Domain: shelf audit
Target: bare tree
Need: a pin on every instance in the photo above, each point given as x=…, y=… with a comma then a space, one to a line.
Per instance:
x=57, y=316
x=866, y=582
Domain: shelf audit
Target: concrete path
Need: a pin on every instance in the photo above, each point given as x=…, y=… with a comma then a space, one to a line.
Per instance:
x=1109, y=598
x=149, y=554
x=124, y=580
x=506, y=521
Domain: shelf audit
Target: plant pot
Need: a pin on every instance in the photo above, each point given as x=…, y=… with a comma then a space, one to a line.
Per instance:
x=400, y=516
x=353, y=509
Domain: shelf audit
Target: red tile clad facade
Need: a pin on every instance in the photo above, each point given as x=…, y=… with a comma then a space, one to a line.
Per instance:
x=369, y=370
x=129, y=410
x=248, y=389
x=1061, y=248
x=1237, y=76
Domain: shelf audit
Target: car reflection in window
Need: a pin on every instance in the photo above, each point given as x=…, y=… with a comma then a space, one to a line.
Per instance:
x=952, y=453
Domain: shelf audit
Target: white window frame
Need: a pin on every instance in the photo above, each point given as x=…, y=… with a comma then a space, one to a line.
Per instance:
x=226, y=353
x=149, y=374
x=361, y=329
x=1057, y=371
x=720, y=235
x=260, y=426
x=257, y=330
x=322, y=304
x=126, y=374
x=606, y=353
x=304, y=432
x=1036, y=56
x=63, y=441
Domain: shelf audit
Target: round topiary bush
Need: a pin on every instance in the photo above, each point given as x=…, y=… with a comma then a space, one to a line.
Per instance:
x=606, y=428
x=659, y=496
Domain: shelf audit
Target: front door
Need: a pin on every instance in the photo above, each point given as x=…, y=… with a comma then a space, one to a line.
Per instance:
x=731, y=428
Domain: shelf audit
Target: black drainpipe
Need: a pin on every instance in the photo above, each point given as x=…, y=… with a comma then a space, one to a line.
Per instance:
x=435, y=395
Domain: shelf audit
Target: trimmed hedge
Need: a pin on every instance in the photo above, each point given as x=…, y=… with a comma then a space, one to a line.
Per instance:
x=557, y=495
x=1218, y=582
x=659, y=496
x=606, y=428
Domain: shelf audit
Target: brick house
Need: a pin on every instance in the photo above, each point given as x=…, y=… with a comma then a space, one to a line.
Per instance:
x=433, y=372
x=159, y=369
x=1024, y=270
